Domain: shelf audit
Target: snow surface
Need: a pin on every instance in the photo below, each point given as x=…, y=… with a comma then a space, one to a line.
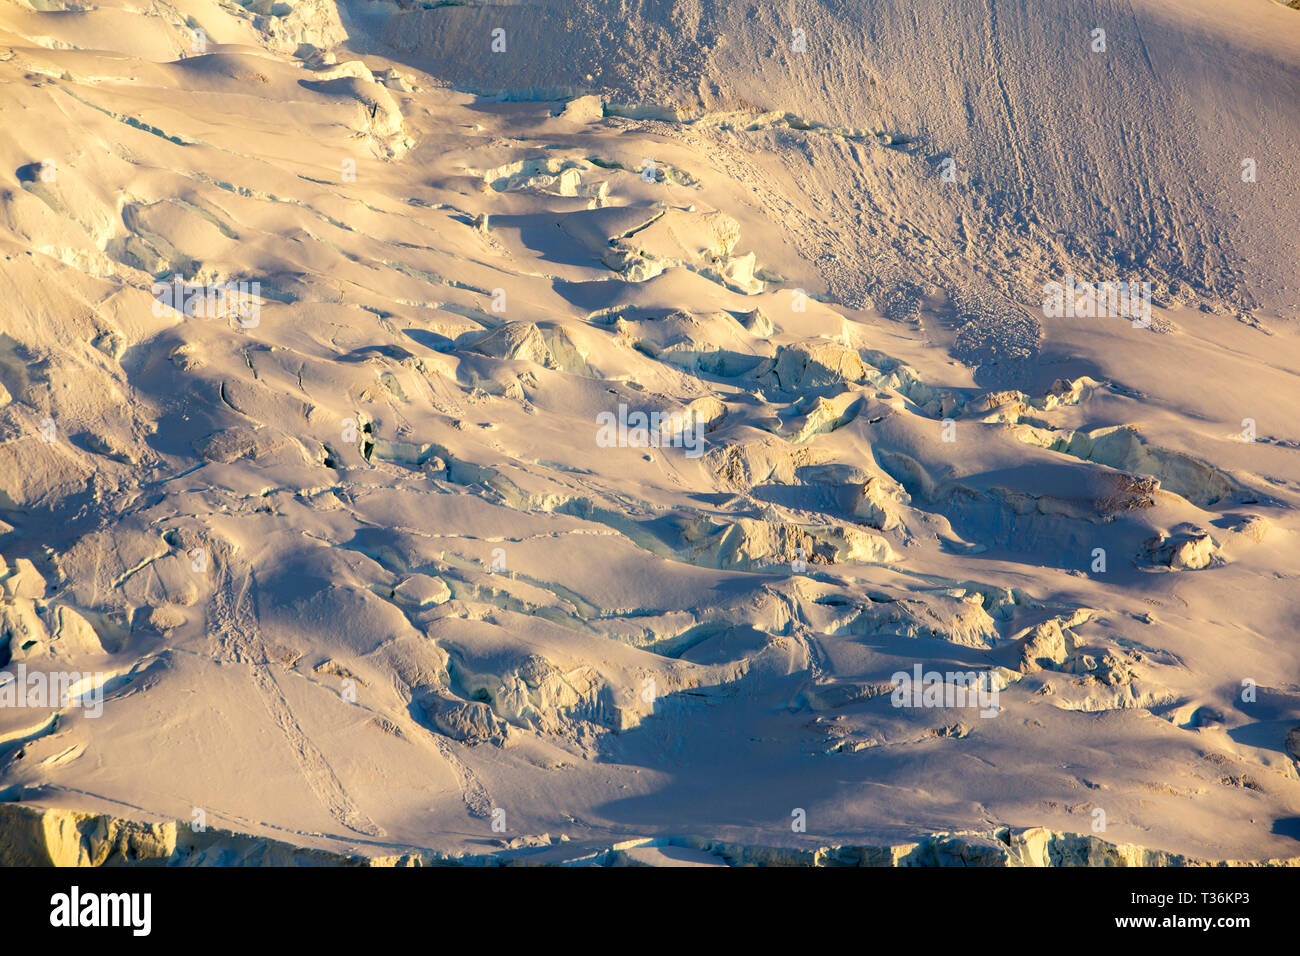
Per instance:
x=357, y=571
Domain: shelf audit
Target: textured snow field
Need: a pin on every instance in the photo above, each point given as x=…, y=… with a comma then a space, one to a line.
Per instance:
x=619, y=396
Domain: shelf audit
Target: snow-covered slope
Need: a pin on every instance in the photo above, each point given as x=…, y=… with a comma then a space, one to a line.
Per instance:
x=1072, y=149
x=369, y=557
